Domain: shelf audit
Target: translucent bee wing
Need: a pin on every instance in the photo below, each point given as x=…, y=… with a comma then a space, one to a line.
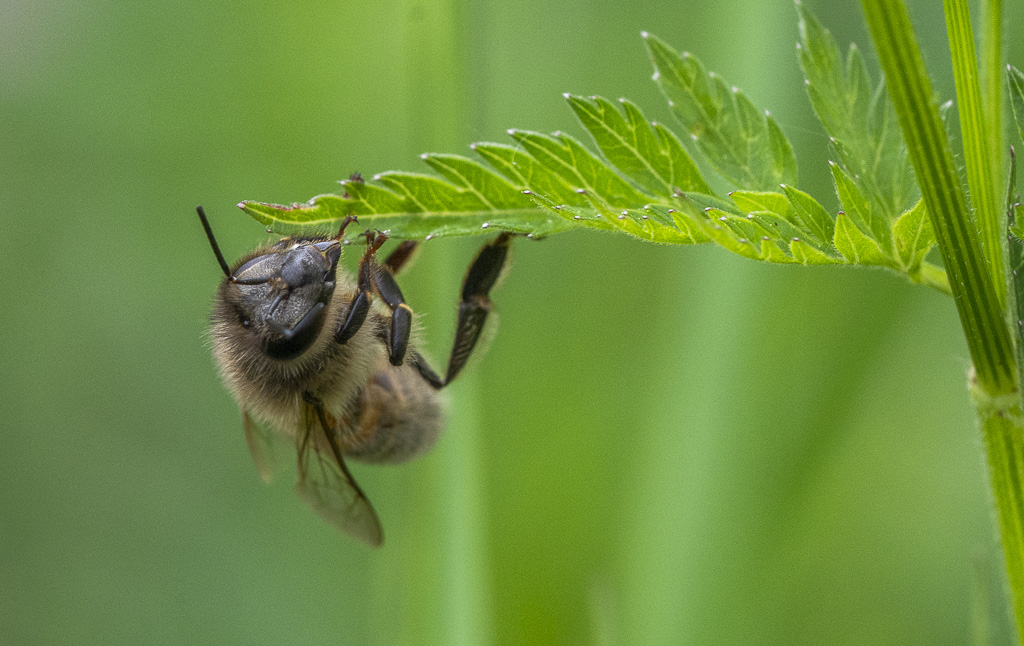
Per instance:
x=327, y=486
x=261, y=441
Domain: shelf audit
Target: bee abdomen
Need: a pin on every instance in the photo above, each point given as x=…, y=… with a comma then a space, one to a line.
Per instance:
x=397, y=417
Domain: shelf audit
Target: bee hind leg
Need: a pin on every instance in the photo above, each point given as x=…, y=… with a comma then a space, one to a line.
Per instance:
x=474, y=306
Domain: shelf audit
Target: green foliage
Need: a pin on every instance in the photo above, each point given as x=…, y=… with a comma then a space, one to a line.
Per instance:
x=1016, y=79
x=647, y=182
x=861, y=124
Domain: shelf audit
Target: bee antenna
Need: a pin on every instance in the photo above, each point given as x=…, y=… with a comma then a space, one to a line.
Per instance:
x=213, y=241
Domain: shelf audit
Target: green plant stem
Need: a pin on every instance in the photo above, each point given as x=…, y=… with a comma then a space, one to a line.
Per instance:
x=977, y=136
x=993, y=379
x=988, y=340
x=992, y=70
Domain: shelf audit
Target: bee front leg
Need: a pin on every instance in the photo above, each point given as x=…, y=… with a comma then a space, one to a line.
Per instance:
x=359, y=307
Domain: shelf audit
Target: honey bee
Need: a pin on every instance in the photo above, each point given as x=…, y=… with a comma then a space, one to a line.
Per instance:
x=313, y=358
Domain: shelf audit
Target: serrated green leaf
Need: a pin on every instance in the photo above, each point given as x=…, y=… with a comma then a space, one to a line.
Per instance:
x=646, y=186
x=494, y=193
x=771, y=252
x=811, y=216
x=1016, y=84
x=775, y=227
x=856, y=247
x=654, y=159
x=861, y=122
x=914, y=236
x=579, y=167
x=761, y=201
x=739, y=141
x=323, y=214
x=726, y=236
x=806, y=254
x=525, y=173
x=861, y=211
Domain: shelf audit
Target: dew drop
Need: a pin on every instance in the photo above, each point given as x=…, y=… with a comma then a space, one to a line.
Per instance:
x=485, y=225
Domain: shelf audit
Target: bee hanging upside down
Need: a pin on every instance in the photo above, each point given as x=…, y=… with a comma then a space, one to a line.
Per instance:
x=308, y=358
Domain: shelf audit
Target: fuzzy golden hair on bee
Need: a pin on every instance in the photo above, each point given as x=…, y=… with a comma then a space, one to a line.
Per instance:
x=329, y=363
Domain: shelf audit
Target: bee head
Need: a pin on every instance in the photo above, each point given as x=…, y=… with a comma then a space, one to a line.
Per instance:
x=280, y=295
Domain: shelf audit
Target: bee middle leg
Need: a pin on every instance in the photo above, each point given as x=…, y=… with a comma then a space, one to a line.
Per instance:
x=374, y=276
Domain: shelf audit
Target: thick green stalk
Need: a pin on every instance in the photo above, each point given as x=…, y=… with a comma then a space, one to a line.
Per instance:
x=977, y=136
x=988, y=340
x=993, y=378
x=992, y=70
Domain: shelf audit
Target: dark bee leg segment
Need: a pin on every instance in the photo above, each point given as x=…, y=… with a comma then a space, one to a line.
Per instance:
x=401, y=255
x=401, y=314
x=474, y=307
x=426, y=372
x=360, y=305
x=476, y=304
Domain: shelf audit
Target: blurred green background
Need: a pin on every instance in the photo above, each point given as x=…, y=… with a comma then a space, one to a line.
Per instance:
x=662, y=445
